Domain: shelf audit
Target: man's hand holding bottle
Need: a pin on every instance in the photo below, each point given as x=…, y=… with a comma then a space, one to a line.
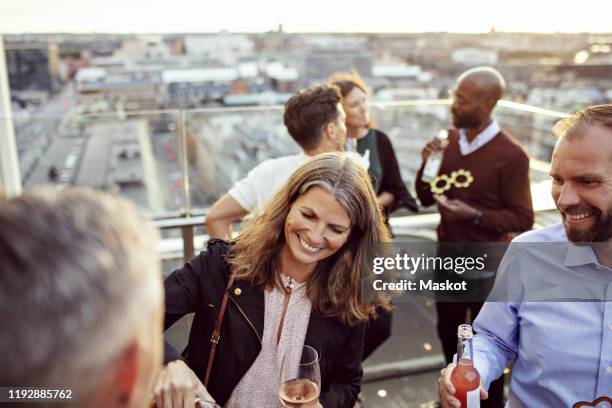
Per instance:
x=446, y=389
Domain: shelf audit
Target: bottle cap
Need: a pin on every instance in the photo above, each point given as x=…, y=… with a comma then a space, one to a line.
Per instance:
x=443, y=134
x=465, y=330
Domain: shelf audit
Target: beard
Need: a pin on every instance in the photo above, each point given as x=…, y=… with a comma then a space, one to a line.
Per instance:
x=601, y=231
x=466, y=120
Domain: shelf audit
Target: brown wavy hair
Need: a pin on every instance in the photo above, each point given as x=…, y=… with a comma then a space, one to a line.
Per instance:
x=341, y=285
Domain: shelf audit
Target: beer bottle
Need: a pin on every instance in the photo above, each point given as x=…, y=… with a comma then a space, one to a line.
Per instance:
x=465, y=377
x=434, y=161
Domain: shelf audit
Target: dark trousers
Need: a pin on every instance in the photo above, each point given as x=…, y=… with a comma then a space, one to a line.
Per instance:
x=451, y=315
x=377, y=331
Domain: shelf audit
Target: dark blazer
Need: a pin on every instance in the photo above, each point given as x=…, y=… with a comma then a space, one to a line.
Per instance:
x=199, y=286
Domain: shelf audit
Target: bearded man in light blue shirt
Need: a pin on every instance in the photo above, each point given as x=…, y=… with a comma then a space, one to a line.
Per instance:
x=555, y=320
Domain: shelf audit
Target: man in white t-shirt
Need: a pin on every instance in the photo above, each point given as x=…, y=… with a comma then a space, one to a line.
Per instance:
x=315, y=120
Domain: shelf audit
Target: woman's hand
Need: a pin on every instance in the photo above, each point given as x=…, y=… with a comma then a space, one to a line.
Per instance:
x=386, y=199
x=177, y=387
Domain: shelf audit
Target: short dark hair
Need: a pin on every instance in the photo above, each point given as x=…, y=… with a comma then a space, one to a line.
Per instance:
x=574, y=125
x=309, y=111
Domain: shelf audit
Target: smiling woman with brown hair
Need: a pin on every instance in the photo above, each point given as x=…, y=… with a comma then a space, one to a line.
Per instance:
x=293, y=278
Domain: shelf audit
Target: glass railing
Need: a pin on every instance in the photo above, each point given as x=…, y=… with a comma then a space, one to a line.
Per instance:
x=135, y=154
x=224, y=144
x=173, y=162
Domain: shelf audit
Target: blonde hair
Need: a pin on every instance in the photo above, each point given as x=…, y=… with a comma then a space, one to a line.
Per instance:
x=574, y=125
x=346, y=81
x=334, y=288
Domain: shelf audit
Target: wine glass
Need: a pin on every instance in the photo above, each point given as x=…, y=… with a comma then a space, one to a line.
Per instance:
x=300, y=379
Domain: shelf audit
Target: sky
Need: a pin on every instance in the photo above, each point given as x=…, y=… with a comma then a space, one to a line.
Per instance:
x=160, y=16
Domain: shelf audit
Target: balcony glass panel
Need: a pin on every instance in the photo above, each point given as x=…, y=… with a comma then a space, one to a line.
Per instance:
x=180, y=161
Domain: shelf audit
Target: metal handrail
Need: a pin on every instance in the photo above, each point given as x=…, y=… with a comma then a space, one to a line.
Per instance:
x=375, y=103
x=419, y=226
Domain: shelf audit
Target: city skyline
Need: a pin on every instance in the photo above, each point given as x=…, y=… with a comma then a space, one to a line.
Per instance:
x=389, y=16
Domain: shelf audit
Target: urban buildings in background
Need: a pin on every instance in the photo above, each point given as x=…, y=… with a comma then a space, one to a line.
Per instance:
x=556, y=71
x=106, y=111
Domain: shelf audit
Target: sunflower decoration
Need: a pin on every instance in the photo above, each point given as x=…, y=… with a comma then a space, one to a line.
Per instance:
x=440, y=184
x=461, y=178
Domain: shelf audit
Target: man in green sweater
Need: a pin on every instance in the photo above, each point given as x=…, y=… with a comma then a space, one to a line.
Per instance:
x=482, y=189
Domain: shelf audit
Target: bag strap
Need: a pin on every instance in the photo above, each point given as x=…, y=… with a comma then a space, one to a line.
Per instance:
x=216, y=333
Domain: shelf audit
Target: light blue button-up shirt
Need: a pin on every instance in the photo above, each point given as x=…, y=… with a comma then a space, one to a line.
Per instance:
x=563, y=349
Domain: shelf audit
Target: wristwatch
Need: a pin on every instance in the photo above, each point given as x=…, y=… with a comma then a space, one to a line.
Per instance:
x=477, y=218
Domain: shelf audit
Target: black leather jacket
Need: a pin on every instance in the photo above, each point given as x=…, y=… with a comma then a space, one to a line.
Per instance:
x=199, y=286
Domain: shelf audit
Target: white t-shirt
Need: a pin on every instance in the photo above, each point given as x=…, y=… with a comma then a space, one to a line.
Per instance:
x=267, y=177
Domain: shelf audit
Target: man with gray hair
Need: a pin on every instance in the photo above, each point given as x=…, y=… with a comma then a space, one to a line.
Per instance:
x=80, y=299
